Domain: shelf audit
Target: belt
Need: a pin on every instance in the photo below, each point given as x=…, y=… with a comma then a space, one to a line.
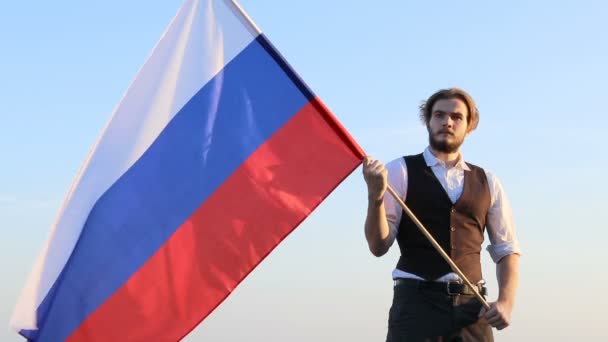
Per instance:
x=451, y=288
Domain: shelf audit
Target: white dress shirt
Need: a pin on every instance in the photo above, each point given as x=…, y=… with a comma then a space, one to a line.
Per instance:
x=499, y=223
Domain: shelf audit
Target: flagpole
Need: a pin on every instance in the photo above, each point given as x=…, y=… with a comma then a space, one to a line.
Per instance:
x=409, y=213
x=244, y=14
x=433, y=242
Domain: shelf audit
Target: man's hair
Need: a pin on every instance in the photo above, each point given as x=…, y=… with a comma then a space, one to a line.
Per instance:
x=426, y=107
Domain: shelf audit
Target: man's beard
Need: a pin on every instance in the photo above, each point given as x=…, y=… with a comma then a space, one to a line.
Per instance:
x=445, y=146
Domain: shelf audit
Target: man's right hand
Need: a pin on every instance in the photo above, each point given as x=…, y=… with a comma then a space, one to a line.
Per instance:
x=375, y=176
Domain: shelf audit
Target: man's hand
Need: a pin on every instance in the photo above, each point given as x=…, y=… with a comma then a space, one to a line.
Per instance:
x=499, y=314
x=375, y=175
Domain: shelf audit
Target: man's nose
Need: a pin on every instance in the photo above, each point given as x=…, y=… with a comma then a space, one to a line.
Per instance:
x=448, y=121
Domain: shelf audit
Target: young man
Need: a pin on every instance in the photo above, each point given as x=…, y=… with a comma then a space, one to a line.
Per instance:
x=455, y=201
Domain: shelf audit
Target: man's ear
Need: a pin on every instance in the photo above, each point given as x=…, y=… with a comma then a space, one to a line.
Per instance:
x=469, y=131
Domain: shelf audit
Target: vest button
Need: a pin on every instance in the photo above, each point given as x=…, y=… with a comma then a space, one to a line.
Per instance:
x=453, y=210
x=453, y=229
x=453, y=247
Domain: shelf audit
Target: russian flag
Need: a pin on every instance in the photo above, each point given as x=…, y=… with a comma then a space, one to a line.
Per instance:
x=216, y=153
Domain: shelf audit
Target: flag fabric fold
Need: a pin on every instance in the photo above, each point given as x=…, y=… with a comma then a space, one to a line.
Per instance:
x=216, y=153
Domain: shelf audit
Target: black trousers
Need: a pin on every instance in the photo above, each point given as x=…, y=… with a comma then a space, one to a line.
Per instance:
x=422, y=314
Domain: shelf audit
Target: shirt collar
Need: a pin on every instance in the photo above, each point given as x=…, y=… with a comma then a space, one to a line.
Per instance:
x=431, y=160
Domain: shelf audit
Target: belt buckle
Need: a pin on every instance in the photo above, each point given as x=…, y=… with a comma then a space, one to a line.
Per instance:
x=481, y=288
x=457, y=289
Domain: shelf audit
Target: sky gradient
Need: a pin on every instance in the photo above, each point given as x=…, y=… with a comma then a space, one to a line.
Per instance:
x=536, y=69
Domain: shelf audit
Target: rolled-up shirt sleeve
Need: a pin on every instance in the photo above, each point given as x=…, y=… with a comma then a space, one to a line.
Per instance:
x=397, y=179
x=499, y=223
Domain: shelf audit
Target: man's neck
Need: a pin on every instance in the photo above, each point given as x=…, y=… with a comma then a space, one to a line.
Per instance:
x=450, y=159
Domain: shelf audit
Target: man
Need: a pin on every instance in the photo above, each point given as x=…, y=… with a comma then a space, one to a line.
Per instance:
x=455, y=201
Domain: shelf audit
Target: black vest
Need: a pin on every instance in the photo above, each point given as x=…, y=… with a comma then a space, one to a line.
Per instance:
x=457, y=227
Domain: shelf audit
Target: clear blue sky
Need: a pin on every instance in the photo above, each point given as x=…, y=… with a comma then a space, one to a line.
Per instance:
x=537, y=69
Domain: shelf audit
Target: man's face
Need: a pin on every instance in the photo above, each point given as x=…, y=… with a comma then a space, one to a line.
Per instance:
x=448, y=125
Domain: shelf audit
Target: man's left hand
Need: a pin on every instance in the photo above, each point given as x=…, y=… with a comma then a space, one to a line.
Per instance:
x=498, y=316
